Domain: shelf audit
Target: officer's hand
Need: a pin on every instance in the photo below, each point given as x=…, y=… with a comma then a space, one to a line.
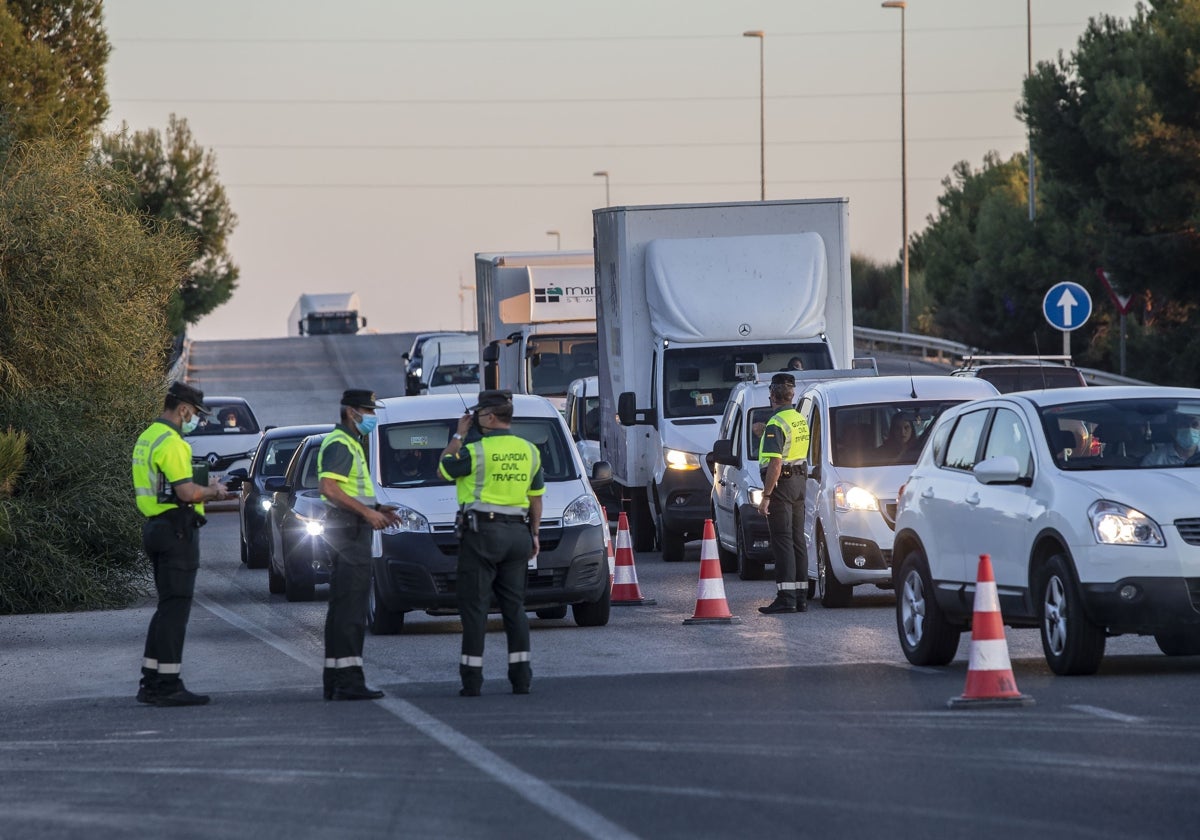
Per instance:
x=378, y=520
x=389, y=512
x=222, y=492
x=536, y=546
x=764, y=505
x=464, y=424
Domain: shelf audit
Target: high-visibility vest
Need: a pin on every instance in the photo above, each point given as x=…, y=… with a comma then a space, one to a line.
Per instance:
x=358, y=483
x=502, y=470
x=161, y=457
x=795, y=438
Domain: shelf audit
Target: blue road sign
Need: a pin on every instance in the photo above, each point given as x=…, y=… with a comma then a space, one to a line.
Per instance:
x=1067, y=306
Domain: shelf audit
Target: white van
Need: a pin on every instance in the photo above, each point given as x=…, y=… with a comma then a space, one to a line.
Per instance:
x=414, y=564
x=866, y=435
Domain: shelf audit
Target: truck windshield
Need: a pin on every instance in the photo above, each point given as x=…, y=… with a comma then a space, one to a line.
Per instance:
x=335, y=323
x=697, y=380
x=557, y=361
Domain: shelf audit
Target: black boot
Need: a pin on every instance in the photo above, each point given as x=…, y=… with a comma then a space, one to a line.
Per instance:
x=351, y=684
x=174, y=693
x=148, y=690
x=781, y=604
x=472, y=681
x=520, y=675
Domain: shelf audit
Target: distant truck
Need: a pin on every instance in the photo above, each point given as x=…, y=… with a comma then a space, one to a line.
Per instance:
x=326, y=314
x=684, y=294
x=537, y=321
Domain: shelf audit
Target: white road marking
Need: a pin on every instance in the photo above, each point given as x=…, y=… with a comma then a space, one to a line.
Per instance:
x=1108, y=714
x=530, y=788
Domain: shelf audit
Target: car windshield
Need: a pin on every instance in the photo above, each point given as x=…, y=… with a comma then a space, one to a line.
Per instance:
x=227, y=418
x=1150, y=433
x=882, y=434
x=559, y=360
x=409, y=452
x=697, y=380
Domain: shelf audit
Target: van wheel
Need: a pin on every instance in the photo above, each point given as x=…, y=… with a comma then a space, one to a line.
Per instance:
x=381, y=620
x=748, y=567
x=729, y=559
x=833, y=592
x=594, y=614
x=551, y=613
x=926, y=637
x=1073, y=645
x=641, y=526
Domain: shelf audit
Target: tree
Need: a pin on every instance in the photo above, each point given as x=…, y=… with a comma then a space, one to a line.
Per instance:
x=876, y=293
x=52, y=57
x=175, y=181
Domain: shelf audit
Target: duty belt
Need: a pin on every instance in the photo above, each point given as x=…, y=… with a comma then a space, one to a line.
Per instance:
x=488, y=516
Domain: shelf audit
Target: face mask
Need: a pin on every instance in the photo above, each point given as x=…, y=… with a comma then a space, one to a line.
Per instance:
x=1187, y=438
x=366, y=423
x=190, y=425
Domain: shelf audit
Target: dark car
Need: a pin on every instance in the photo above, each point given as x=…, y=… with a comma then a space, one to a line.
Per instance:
x=1022, y=373
x=299, y=557
x=270, y=460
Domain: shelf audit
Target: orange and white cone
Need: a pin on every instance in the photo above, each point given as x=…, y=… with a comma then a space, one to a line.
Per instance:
x=711, y=606
x=625, y=589
x=990, y=680
x=612, y=563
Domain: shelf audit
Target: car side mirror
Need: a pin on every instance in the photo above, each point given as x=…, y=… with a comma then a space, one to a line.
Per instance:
x=1002, y=469
x=602, y=474
x=723, y=454
x=404, y=356
x=276, y=484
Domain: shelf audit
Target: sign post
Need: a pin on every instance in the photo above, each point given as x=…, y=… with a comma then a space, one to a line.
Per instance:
x=1123, y=302
x=1067, y=306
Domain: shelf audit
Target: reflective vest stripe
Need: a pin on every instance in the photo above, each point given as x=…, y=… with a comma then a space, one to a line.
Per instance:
x=486, y=487
x=795, y=432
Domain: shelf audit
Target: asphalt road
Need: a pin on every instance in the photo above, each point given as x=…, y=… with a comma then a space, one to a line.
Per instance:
x=807, y=725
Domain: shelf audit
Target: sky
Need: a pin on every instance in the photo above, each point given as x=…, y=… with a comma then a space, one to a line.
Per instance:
x=374, y=146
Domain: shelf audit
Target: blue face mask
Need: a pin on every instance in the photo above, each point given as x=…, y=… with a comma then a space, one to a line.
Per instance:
x=366, y=423
x=190, y=426
x=1187, y=438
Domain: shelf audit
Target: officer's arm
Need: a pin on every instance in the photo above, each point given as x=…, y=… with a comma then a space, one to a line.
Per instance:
x=189, y=492
x=334, y=493
x=535, y=520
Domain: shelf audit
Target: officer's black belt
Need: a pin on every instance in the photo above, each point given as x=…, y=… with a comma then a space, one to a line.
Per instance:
x=488, y=516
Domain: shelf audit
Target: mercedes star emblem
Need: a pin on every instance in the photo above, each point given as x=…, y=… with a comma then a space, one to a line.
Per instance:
x=744, y=329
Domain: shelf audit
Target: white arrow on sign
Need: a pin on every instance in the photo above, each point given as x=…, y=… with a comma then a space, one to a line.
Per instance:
x=1067, y=303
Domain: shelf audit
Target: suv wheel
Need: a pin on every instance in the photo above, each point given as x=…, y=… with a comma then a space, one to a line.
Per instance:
x=748, y=567
x=926, y=637
x=833, y=592
x=381, y=620
x=1073, y=645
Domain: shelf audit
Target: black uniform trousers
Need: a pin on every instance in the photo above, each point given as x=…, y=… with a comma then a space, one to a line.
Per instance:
x=494, y=560
x=785, y=521
x=349, y=539
x=173, y=545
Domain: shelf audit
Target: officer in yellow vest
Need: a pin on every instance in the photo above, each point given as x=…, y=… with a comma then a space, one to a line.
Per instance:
x=172, y=503
x=782, y=460
x=347, y=488
x=500, y=484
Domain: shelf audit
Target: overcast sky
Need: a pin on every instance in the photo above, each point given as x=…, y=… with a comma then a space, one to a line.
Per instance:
x=376, y=145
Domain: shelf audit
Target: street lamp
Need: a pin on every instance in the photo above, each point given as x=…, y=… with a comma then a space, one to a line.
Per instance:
x=603, y=174
x=1029, y=62
x=762, y=124
x=557, y=239
x=901, y=5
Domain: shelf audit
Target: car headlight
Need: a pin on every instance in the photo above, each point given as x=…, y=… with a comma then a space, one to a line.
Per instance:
x=1116, y=524
x=582, y=511
x=410, y=522
x=756, y=495
x=265, y=503
x=852, y=497
x=314, y=527
x=415, y=372
x=677, y=459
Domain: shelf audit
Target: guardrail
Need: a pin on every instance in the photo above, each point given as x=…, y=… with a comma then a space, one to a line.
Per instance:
x=951, y=352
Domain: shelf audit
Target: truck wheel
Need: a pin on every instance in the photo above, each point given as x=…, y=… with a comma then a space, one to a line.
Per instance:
x=641, y=525
x=1179, y=642
x=748, y=567
x=729, y=559
x=1072, y=644
x=833, y=592
x=596, y=613
x=551, y=612
x=298, y=584
x=381, y=620
x=926, y=637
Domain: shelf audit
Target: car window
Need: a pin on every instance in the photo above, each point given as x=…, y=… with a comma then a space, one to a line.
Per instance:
x=941, y=434
x=758, y=421
x=1138, y=432
x=815, y=447
x=1031, y=378
x=885, y=433
x=277, y=454
x=964, y=440
x=735, y=434
x=1009, y=436
x=308, y=473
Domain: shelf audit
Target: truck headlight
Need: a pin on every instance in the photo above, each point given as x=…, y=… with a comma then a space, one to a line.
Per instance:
x=756, y=495
x=410, y=522
x=582, y=511
x=1117, y=524
x=852, y=497
x=677, y=459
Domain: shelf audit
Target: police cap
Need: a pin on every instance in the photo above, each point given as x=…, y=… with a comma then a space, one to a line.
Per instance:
x=783, y=380
x=493, y=399
x=187, y=394
x=359, y=398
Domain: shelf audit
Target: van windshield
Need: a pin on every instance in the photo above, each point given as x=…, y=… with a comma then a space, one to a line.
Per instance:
x=408, y=452
x=697, y=380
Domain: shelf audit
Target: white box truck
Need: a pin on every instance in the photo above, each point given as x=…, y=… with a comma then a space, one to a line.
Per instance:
x=537, y=320
x=335, y=313
x=685, y=293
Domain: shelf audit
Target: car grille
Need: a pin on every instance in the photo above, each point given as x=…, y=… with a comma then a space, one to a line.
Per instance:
x=535, y=581
x=1189, y=529
x=889, y=512
x=223, y=462
x=549, y=536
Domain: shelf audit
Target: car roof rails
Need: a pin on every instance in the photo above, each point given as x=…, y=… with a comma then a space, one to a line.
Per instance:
x=745, y=371
x=970, y=360
x=865, y=363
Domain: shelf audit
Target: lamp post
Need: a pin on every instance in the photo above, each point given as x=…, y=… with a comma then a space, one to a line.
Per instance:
x=557, y=239
x=1029, y=75
x=901, y=5
x=604, y=174
x=762, y=120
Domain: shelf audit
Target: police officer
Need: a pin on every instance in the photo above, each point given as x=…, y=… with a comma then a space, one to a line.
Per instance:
x=172, y=503
x=782, y=462
x=347, y=488
x=500, y=485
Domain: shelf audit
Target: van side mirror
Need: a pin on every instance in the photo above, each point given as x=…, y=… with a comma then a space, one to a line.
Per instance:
x=491, y=353
x=723, y=453
x=629, y=414
x=602, y=474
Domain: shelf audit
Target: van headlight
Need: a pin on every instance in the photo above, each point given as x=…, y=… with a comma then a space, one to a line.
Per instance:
x=410, y=522
x=852, y=497
x=582, y=511
x=677, y=459
x=1116, y=524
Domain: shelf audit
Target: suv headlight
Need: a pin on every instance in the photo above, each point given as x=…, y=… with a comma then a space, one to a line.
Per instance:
x=1117, y=524
x=677, y=459
x=852, y=497
x=582, y=511
x=411, y=522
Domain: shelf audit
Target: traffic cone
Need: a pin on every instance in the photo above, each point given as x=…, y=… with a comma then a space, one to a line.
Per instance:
x=711, y=607
x=625, y=589
x=990, y=681
x=612, y=564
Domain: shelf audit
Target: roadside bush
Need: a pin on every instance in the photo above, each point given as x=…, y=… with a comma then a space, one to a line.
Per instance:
x=84, y=287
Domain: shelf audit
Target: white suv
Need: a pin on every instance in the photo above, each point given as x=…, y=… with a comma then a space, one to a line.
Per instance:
x=866, y=435
x=1088, y=505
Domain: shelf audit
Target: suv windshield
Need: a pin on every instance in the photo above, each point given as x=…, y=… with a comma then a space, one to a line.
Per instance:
x=408, y=452
x=1120, y=434
x=882, y=434
x=697, y=380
